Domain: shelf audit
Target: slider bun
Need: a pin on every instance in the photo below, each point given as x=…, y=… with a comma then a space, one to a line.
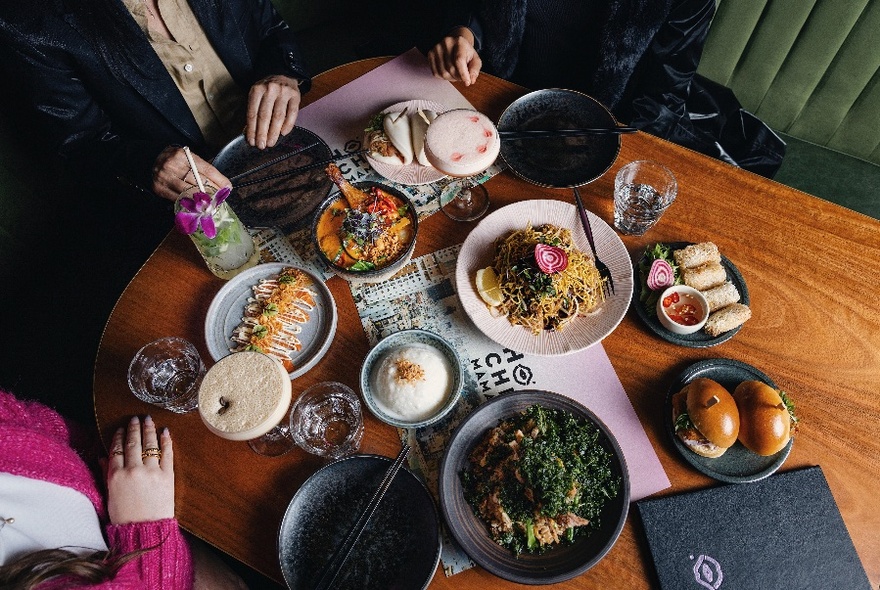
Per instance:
x=718, y=422
x=766, y=423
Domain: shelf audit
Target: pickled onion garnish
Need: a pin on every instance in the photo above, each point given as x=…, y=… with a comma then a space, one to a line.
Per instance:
x=550, y=259
x=660, y=276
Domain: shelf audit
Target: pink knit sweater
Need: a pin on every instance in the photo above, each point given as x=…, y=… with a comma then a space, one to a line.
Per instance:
x=36, y=443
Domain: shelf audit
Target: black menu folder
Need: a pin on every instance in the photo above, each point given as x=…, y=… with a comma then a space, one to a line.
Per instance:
x=782, y=532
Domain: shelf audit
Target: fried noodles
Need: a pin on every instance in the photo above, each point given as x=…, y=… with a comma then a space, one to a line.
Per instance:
x=541, y=301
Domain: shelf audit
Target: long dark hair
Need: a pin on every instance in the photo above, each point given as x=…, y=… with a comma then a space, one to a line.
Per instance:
x=37, y=567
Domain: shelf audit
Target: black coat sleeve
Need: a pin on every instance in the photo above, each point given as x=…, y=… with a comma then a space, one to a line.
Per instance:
x=658, y=89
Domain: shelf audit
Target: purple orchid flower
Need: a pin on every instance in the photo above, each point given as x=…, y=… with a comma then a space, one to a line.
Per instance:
x=198, y=212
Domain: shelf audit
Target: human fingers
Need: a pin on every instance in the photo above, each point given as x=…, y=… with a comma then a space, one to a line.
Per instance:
x=170, y=172
x=151, y=452
x=117, y=451
x=166, y=460
x=273, y=104
x=476, y=64
x=133, y=446
x=209, y=173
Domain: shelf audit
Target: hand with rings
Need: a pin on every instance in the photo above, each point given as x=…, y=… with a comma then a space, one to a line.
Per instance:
x=140, y=474
x=172, y=173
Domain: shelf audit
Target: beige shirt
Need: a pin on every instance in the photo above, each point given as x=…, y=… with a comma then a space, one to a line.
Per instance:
x=216, y=101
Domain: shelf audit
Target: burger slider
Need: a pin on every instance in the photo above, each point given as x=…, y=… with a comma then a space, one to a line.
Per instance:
x=705, y=417
x=696, y=254
x=705, y=276
x=727, y=318
x=767, y=418
x=388, y=138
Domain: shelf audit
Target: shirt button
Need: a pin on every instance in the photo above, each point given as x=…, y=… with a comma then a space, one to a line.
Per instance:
x=188, y=67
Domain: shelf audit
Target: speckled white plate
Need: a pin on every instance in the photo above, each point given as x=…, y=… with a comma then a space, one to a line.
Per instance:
x=415, y=173
x=225, y=313
x=478, y=251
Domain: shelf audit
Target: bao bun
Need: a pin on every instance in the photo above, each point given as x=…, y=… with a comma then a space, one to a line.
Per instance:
x=715, y=423
x=766, y=423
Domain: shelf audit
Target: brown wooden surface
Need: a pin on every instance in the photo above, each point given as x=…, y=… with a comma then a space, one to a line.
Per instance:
x=811, y=269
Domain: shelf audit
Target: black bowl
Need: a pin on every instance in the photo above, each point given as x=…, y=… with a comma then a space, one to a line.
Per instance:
x=559, y=563
x=287, y=202
x=378, y=274
x=558, y=162
x=399, y=548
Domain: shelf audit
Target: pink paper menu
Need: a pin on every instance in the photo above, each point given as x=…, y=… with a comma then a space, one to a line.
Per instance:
x=340, y=117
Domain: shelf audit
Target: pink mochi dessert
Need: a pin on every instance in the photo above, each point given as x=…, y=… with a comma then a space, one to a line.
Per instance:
x=462, y=142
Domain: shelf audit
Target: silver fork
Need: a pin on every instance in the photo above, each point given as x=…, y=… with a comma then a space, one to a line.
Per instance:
x=603, y=269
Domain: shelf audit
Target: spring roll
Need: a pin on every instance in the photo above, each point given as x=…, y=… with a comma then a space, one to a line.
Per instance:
x=695, y=255
x=721, y=296
x=705, y=276
x=727, y=318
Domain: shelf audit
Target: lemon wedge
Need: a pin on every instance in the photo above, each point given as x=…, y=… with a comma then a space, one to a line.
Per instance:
x=489, y=287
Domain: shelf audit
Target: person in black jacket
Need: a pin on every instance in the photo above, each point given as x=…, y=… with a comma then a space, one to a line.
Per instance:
x=109, y=102
x=637, y=57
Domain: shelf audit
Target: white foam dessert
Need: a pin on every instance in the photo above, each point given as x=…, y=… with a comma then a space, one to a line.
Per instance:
x=244, y=395
x=462, y=142
x=412, y=383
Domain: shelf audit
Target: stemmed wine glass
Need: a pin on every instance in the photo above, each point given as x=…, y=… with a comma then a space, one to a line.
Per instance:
x=463, y=143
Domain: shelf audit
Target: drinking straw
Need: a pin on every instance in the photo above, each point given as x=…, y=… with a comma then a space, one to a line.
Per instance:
x=192, y=164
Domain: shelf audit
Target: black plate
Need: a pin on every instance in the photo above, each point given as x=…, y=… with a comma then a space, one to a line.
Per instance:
x=699, y=339
x=400, y=547
x=738, y=464
x=557, y=564
x=284, y=202
x=558, y=162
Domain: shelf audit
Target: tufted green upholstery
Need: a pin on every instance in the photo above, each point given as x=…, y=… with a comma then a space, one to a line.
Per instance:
x=809, y=68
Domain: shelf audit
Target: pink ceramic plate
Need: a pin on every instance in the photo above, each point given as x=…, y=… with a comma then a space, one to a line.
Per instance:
x=415, y=173
x=478, y=251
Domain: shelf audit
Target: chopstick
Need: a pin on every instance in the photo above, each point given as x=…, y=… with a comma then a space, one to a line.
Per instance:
x=538, y=133
x=337, y=560
x=305, y=168
x=272, y=162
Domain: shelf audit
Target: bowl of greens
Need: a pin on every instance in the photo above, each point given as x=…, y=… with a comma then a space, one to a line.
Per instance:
x=534, y=487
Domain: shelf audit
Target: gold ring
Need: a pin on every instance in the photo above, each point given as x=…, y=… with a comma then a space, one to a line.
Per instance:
x=151, y=452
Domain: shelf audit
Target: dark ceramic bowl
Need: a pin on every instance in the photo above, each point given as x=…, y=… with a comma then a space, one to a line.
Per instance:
x=558, y=162
x=391, y=267
x=399, y=548
x=559, y=563
x=287, y=202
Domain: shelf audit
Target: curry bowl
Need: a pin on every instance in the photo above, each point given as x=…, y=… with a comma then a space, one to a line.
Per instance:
x=367, y=241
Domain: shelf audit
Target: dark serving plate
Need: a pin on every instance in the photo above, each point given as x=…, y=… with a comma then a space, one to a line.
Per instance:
x=738, y=464
x=400, y=547
x=558, y=162
x=699, y=339
x=286, y=202
x=559, y=563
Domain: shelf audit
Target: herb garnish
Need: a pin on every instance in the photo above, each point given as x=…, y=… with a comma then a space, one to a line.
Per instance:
x=540, y=478
x=647, y=297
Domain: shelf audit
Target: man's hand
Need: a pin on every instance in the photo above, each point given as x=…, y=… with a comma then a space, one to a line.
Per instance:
x=454, y=57
x=273, y=104
x=140, y=474
x=172, y=174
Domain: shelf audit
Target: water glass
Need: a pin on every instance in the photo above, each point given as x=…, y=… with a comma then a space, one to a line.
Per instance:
x=643, y=190
x=326, y=420
x=167, y=373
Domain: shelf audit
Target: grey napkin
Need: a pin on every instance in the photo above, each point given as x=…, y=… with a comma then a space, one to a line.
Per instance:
x=781, y=532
